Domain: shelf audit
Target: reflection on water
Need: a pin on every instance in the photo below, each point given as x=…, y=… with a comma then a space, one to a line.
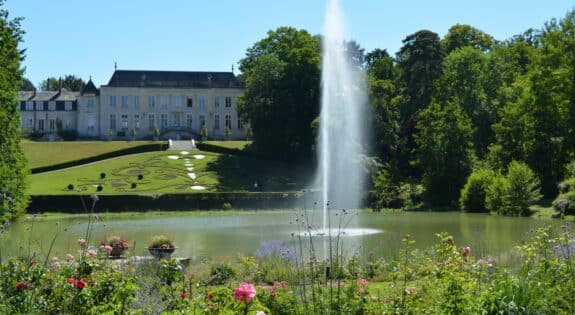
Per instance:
x=221, y=235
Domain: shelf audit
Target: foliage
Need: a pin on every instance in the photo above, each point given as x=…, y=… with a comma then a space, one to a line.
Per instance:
x=463, y=35
x=161, y=241
x=220, y=274
x=495, y=196
x=523, y=190
x=474, y=192
x=27, y=85
x=281, y=97
x=13, y=171
x=444, y=151
x=70, y=82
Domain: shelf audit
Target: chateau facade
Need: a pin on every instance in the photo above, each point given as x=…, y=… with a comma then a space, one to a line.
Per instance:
x=136, y=103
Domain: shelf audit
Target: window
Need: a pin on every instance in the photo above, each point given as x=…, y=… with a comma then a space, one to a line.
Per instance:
x=41, y=125
x=90, y=103
x=176, y=119
x=228, y=101
x=124, y=101
x=51, y=105
x=68, y=124
x=112, y=100
x=51, y=124
x=91, y=122
x=240, y=124
x=189, y=120
x=164, y=120
x=68, y=105
x=164, y=100
x=113, y=121
x=124, y=122
x=39, y=105
x=29, y=105
x=229, y=121
x=189, y=101
x=137, y=121
x=202, y=102
x=136, y=101
x=216, y=121
x=202, y=120
x=29, y=123
x=177, y=100
x=151, y=121
x=216, y=101
x=151, y=101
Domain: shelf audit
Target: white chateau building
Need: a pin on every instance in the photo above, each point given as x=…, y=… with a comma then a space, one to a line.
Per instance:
x=178, y=103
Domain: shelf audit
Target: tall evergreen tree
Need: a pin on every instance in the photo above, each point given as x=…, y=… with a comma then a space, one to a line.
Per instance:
x=13, y=199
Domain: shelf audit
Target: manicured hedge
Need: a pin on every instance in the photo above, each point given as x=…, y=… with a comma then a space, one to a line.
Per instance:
x=218, y=149
x=195, y=201
x=134, y=150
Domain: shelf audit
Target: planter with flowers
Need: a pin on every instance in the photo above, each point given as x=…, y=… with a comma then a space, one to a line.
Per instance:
x=161, y=247
x=114, y=246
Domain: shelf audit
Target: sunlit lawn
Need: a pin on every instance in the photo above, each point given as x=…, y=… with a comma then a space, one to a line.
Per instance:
x=232, y=144
x=50, y=153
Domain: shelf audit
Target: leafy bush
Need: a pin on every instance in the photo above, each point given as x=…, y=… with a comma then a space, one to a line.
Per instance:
x=99, y=188
x=70, y=187
x=473, y=193
x=134, y=185
x=523, y=190
x=140, y=176
x=102, y=175
x=495, y=195
x=227, y=206
x=161, y=241
x=220, y=273
x=565, y=203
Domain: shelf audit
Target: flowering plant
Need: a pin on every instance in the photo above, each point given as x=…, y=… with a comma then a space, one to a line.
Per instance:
x=114, y=245
x=161, y=242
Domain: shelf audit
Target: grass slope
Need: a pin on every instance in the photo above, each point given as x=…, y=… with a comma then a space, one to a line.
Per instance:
x=40, y=154
x=216, y=172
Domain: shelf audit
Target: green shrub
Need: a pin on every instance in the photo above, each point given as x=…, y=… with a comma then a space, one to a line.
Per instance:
x=227, y=206
x=134, y=185
x=220, y=273
x=102, y=175
x=495, y=200
x=473, y=193
x=565, y=203
x=140, y=176
x=70, y=187
x=523, y=190
x=99, y=188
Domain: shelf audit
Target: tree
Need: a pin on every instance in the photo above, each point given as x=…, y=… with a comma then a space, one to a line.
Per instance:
x=523, y=189
x=463, y=35
x=227, y=132
x=13, y=170
x=27, y=85
x=70, y=82
x=444, y=151
x=50, y=84
x=281, y=98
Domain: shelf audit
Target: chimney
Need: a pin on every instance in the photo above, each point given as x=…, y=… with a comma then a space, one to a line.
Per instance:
x=60, y=85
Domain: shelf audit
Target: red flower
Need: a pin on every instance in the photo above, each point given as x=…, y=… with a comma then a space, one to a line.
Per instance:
x=184, y=294
x=23, y=285
x=78, y=284
x=465, y=251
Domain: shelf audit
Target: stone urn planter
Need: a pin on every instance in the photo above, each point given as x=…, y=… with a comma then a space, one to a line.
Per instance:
x=162, y=253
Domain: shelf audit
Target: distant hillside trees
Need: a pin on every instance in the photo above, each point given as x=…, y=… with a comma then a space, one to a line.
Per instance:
x=70, y=82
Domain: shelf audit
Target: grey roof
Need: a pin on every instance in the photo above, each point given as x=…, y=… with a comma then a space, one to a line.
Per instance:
x=173, y=79
x=64, y=95
x=90, y=88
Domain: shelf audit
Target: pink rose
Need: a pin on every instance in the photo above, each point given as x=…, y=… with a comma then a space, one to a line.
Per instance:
x=245, y=292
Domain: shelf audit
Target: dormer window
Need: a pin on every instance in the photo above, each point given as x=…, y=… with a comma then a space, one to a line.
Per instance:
x=29, y=105
x=52, y=105
x=68, y=105
x=39, y=105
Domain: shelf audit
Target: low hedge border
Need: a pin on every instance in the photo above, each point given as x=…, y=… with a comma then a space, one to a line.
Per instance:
x=169, y=202
x=218, y=149
x=139, y=149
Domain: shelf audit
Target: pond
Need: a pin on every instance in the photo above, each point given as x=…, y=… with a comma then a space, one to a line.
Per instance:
x=222, y=235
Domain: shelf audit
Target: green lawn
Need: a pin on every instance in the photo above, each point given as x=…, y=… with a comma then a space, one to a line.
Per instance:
x=215, y=172
x=232, y=144
x=41, y=154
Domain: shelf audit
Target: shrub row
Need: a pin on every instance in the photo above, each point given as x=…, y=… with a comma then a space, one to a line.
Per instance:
x=195, y=201
x=134, y=150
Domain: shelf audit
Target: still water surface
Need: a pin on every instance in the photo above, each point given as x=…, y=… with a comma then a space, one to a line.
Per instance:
x=219, y=235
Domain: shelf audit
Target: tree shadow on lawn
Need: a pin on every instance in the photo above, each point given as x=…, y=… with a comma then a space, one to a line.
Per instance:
x=236, y=173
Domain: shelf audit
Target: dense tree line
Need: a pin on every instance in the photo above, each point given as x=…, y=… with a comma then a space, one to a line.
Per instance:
x=12, y=161
x=441, y=107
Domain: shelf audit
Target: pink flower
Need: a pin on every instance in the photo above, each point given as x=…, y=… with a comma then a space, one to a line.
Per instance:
x=465, y=251
x=245, y=292
x=81, y=242
x=362, y=284
x=107, y=249
x=91, y=253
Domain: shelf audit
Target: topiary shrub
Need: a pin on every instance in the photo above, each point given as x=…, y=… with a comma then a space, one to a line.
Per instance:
x=99, y=188
x=140, y=176
x=134, y=185
x=70, y=187
x=472, y=197
x=102, y=175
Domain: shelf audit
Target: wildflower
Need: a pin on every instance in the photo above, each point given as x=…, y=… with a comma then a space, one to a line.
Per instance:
x=23, y=285
x=362, y=283
x=77, y=283
x=32, y=261
x=107, y=248
x=81, y=242
x=465, y=251
x=91, y=253
x=69, y=257
x=183, y=294
x=449, y=240
x=245, y=292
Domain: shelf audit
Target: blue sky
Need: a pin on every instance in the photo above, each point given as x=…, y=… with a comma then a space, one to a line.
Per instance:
x=85, y=38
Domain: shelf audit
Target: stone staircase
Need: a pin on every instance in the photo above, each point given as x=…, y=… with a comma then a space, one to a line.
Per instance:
x=181, y=145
